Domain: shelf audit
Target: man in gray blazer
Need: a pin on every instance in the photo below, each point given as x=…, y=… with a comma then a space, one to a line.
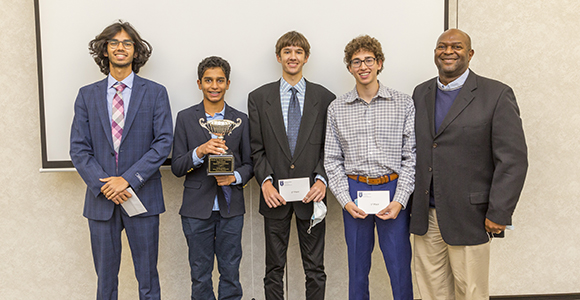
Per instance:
x=287, y=142
x=471, y=167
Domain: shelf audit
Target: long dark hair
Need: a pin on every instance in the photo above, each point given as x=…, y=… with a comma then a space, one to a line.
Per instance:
x=98, y=46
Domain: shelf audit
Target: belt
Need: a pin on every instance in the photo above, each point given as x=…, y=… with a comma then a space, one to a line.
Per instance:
x=375, y=181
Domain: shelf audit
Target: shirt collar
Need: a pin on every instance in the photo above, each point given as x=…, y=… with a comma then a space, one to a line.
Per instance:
x=128, y=81
x=455, y=84
x=300, y=86
x=382, y=93
x=222, y=113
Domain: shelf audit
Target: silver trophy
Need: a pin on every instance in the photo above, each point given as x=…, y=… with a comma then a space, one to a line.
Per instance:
x=222, y=164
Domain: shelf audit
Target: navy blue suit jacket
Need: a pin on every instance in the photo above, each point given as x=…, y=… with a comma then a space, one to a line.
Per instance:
x=146, y=143
x=199, y=189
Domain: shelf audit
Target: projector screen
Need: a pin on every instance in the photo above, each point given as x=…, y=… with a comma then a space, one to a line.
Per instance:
x=182, y=33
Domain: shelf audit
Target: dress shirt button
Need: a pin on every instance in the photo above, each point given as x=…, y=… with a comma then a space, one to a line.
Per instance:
x=292, y=167
x=434, y=145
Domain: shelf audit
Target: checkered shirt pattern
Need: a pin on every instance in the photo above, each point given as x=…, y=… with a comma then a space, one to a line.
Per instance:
x=371, y=139
x=118, y=118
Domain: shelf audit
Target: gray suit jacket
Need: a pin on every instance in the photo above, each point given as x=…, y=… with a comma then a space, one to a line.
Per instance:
x=270, y=149
x=477, y=160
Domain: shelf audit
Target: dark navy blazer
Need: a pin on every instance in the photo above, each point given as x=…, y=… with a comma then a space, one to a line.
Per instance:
x=146, y=143
x=199, y=189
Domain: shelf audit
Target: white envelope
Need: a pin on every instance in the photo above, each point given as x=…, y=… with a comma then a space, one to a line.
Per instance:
x=294, y=189
x=371, y=202
x=133, y=206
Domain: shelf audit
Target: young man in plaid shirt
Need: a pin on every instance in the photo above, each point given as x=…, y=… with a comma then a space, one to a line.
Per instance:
x=370, y=146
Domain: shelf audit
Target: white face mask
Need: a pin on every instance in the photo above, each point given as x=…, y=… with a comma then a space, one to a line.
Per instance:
x=318, y=214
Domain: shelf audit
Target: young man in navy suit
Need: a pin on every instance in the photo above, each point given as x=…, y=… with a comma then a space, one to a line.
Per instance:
x=288, y=121
x=212, y=212
x=121, y=133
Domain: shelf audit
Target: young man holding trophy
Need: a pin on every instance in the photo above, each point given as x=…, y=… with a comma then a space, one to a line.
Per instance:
x=370, y=162
x=212, y=149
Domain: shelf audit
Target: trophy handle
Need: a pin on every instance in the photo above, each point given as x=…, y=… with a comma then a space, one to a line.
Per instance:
x=202, y=123
x=238, y=123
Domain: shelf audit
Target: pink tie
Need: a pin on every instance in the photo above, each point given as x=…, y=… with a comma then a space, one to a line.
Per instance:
x=118, y=118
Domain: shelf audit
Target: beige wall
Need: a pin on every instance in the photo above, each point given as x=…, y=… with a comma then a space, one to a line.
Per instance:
x=530, y=45
x=534, y=47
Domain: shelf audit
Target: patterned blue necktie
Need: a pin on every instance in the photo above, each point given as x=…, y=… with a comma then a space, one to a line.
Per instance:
x=294, y=117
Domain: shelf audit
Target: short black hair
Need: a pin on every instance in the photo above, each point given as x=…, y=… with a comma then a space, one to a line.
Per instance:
x=213, y=62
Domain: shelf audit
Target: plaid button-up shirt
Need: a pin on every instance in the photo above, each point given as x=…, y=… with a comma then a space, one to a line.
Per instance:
x=371, y=139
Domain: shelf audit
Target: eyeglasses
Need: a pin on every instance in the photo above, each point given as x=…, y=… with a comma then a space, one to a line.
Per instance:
x=369, y=61
x=128, y=44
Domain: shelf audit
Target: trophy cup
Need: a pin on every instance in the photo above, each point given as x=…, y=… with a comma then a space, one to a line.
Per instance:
x=221, y=164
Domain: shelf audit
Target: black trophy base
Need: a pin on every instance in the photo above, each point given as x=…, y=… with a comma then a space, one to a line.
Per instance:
x=220, y=165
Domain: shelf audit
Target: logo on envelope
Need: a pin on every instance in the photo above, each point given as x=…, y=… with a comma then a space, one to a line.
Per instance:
x=360, y=194
x=281, y=182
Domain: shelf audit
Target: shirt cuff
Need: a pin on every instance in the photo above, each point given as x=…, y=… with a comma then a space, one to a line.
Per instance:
x=238, y=178
x=343, y=198
x=402, y=198
x=196, y=160
x=268, y=178
x=318, y=176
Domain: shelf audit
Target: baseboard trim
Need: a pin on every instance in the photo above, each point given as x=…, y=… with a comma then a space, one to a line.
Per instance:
x=539, y=297
x=536, y=297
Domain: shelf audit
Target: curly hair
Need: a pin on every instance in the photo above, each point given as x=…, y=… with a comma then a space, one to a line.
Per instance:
x=98, y=46
x=293, y=38
x=363, y=42
x=213, y=62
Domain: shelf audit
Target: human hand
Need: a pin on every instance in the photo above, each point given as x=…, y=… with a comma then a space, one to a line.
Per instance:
x=213, y=146
x=225, y=179
x=493, y=227
x=316, y=193
x=113, y=187
x=354, y=211
x=271, y=196
x=122, y=197
x=391, y=211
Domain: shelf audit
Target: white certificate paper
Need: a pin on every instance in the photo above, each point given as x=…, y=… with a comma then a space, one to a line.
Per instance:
x=371, y=202
x=133, y=206
x=294, y=189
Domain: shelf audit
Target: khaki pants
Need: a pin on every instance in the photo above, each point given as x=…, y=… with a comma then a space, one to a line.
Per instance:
x=446, y=272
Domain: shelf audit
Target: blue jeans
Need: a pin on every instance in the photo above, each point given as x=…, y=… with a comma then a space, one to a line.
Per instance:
x=217, y=236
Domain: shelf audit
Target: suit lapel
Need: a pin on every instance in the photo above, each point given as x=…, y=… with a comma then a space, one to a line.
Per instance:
x=137, y=95
x=276, y=119
x=308, y=118
x=101, y=103
x=463, y=99
x=199, y=113
x=430, y=105
x=229, y=114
